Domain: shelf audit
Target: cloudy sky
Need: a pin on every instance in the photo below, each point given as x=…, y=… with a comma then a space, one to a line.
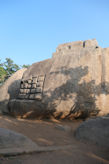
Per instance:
x=30, y=30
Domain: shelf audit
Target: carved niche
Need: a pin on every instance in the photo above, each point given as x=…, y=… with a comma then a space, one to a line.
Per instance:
x=32, y=88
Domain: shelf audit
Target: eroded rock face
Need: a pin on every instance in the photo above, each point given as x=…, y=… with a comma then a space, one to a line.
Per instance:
x=72, y=84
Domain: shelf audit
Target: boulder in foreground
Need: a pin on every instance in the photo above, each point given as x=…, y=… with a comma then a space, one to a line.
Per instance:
x=94, y=131
x=12, y=143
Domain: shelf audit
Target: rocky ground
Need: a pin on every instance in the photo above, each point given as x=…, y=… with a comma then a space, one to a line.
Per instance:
x=53, y=134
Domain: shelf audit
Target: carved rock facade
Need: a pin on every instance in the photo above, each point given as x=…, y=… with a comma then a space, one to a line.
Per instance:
x=32, y=88
x=74, y=83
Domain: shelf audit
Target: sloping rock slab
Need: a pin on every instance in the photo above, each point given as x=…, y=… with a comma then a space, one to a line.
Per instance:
x=12, y=143
x=95, y=131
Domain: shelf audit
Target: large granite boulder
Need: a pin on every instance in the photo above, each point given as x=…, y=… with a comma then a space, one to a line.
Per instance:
x=10, y=89
x=73, y=83
x=94, y=131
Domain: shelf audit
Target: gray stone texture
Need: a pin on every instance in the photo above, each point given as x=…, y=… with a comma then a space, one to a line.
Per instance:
x=12, y=143
x=95, y=131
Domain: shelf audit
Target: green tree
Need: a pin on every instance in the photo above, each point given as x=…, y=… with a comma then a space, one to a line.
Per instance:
x=3, y=75
x=10, y=67
x=1, y=64
x=25, y=66
x=7, y=68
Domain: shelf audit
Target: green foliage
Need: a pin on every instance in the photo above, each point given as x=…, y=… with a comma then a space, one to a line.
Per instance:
x=25, y=66
x=7, y=68
x=3, y=74
x=10, y=67
x=1, y=64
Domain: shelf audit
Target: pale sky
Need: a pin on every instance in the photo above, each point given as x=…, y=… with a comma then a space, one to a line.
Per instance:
x=30, y=30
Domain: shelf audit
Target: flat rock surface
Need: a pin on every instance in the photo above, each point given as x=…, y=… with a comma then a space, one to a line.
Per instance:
x=95, y=131
x=53, y=135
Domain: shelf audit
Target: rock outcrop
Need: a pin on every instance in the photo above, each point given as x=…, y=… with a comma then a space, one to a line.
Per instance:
x=73, y=83
x=10, y=90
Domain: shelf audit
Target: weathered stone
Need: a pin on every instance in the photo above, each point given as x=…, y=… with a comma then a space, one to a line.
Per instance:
x=25, y=85
x=69, y=46
x=91, y=43
x=23, y=96
x=34, y=80
x=27, y=91
x=24, y=91
x=33, y=86
x=39, y=84
x=29, y=81
x=29, y=86
x=38, y=96
x=38, y=89
x=21, y=91
x=31, y=96
x=95, y=131
x=10, y=89
x=41, y=78
x=21, y=108
x=22, y=86
x=63, y=127
x=75, y=47
x=33, y=90
x=75, y=82
x=35, y=96
x=12, y=143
